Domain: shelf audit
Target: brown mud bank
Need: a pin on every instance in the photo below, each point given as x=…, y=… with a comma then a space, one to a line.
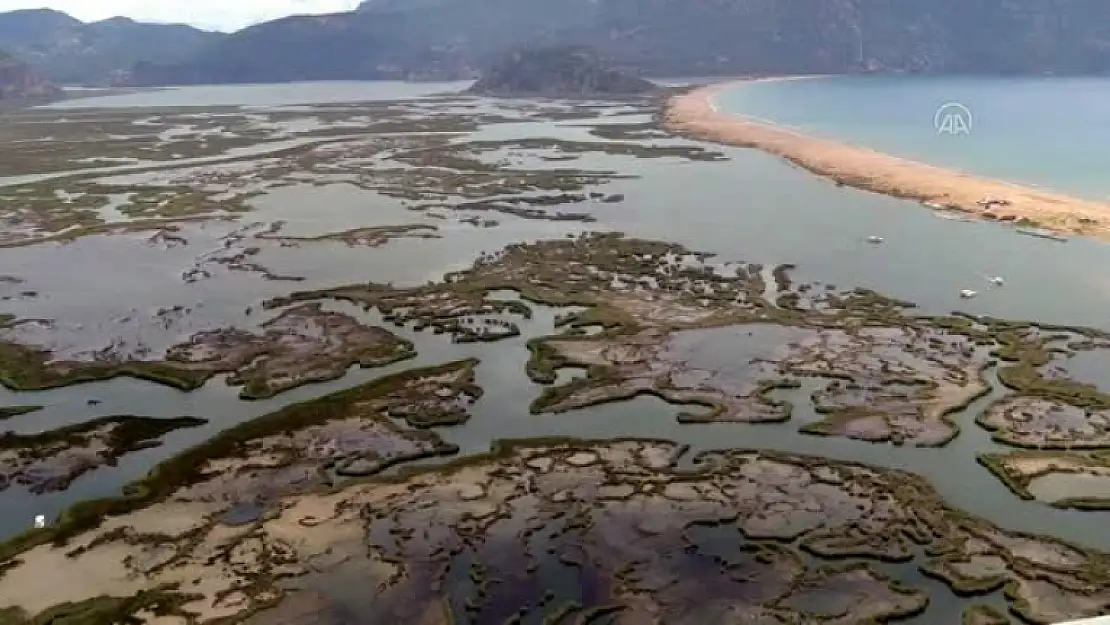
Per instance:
x=693, y=114
x=373, y=236
x=358, y=431
x=1062, y=479
x=50, y=461
x=303, y=344
x=139, y=170
x=535, y=529
x=984, y=615
x=883, y=374
x=879, y=374
x=1038, y=422
x=645, y=314
x=876, y=384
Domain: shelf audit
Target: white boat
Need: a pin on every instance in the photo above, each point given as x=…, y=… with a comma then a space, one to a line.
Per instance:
x=968, y=293
x=997, y=281
x=874, y=239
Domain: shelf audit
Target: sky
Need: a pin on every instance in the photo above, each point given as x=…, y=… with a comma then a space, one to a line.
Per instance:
x=225, y=15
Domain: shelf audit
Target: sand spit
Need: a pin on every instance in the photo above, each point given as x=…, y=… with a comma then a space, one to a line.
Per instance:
x=693, y=114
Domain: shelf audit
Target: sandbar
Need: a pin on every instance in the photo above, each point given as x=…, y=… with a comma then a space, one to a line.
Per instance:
x=692, y=113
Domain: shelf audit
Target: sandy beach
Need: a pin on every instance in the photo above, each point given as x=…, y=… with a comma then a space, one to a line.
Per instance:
x=693, y=114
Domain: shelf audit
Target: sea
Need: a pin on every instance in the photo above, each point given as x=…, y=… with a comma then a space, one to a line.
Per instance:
x=1046, y=132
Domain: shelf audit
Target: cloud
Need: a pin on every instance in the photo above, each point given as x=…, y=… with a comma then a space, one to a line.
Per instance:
x=224, y=15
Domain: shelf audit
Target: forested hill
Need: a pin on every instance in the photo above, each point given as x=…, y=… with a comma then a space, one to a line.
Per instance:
x=18, y=80
x=433, y=39
x=558, y=71
x=66, y=50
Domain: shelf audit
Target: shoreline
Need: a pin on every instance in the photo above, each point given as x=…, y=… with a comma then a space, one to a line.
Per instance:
x=693, y=114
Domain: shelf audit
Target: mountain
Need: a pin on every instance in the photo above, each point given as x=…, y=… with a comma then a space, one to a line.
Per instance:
x=558, y=71
x=343, y=46
x=18, y=80
x=450, y=38
x=67, y=50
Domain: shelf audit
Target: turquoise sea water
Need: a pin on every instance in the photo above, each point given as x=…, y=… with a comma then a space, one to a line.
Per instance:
x=1048, y=132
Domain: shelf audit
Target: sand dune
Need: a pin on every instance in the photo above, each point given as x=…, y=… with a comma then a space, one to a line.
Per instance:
x=692, y=114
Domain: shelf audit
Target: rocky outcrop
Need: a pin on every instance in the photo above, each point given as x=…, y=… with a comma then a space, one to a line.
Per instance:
x=18, y=80
x=558, y=71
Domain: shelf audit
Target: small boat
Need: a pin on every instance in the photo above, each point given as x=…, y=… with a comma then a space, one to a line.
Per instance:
x=968, y=294
x=874, y=239
x=1043, y=234
x=997, y=281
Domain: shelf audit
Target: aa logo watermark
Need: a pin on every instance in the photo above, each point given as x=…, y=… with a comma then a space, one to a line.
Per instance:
x=953, y=118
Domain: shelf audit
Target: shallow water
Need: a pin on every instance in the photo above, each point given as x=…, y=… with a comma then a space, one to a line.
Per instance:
x=265, y=95
x=1091, y=367
x=260, y=149
x=1059, y=486
x=751, y=207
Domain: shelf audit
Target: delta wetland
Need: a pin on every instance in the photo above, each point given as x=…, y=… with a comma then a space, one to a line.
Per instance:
x=376, y=354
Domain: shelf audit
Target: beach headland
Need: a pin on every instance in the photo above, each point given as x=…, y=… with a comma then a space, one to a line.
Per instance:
x=692, y=113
